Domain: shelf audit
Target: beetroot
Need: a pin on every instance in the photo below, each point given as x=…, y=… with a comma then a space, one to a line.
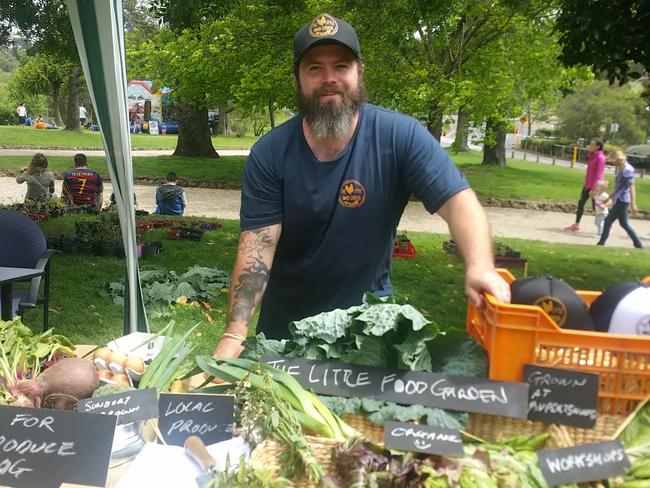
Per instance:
x=31, y=390
x=67, y=381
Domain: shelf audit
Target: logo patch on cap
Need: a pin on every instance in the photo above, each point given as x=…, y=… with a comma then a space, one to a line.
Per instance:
x=554, y=307
x=323, y=26
x=643, y=326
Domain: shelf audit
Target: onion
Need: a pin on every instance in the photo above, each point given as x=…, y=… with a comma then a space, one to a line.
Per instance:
x=135, y=363
x=102, y=353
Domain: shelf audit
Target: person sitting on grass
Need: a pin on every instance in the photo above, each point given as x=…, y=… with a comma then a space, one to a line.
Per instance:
x=40, y=181
x=83, y=186
x=170, y=198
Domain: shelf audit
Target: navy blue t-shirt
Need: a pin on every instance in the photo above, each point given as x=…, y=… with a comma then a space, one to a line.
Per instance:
x=339, y=217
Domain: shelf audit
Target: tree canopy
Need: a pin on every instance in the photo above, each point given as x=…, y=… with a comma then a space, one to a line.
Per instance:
x=609, y=35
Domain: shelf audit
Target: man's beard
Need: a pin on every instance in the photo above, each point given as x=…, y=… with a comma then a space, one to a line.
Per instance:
x=331, y=118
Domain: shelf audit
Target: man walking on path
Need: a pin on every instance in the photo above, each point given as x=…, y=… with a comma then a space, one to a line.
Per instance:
x=595, y=172
x=22, y=113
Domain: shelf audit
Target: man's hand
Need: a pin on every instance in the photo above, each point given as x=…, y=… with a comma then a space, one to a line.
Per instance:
x=228, y=347
x=634, y=209
x=478, y=281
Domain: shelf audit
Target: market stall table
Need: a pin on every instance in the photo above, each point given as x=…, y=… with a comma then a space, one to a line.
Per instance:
x=7, y=278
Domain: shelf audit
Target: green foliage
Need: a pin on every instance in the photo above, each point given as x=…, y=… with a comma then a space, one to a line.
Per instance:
x=609, y=35
x=43, y=74
x=161, y=287
x=597, y=104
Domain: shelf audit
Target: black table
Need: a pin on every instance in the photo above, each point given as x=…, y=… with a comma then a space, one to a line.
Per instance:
x=7, y=278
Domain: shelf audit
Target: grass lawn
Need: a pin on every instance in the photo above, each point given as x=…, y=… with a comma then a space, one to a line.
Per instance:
x=522, y=180
x=433, y=281
x=15, y=137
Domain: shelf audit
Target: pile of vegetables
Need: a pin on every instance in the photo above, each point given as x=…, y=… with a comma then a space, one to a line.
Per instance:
x=635, y=438
x=273, y=405
x=23, y=355
x=162, y=288
x=509, y=464
x=381, y=332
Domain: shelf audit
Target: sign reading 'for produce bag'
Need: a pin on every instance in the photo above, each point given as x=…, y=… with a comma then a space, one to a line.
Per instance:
x=44, y=448
x=464, y=393
x=209, y=417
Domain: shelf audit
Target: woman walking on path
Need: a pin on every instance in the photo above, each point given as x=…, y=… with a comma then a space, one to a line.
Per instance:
x=40, y=181
x=595, y=172
x=623, y=197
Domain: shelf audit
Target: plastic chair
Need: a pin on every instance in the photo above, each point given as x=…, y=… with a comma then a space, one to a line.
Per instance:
x=23, y=245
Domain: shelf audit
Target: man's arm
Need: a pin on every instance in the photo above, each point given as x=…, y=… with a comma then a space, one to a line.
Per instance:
x=249, y=278
x=469, y=227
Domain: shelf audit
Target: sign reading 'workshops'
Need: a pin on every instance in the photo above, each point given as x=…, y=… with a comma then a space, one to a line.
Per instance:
x=463, y=393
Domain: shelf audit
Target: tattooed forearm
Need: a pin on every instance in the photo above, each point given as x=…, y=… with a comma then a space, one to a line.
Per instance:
x=252, y=276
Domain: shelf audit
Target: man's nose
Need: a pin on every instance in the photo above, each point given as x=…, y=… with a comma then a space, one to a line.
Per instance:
x=329, y=75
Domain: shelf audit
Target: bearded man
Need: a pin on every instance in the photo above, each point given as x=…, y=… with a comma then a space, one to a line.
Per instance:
x=323, y=194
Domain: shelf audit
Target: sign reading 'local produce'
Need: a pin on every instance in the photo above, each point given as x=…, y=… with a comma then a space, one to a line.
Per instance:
x=587, y=462
x=463, y=393
x=45, y=448
x=209, y=417
x=558, y=396
x=423, y=438
x=128, y=406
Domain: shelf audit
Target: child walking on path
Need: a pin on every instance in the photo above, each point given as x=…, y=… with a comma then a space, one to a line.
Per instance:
x=602, y=204
x=623, y=197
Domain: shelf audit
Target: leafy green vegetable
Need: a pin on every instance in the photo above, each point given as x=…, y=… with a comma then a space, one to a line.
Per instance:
x=381, y=332
x=161, y=288
x=248, y=475
x=636, y=435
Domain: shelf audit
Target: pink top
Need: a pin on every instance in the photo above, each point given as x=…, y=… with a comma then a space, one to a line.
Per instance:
x=595, y=169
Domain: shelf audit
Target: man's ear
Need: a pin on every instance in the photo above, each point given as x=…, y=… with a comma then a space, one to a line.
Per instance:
x=361, y=68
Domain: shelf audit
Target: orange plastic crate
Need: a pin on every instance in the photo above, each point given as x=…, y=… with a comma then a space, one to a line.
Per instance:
x=514, y=335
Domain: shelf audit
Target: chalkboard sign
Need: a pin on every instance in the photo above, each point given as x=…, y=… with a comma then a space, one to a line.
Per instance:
x=209, y=417
x=463, y=393
x=423, y=438
x=587, y=462
x=44, y=448
x=559, y=396
x=128, y=406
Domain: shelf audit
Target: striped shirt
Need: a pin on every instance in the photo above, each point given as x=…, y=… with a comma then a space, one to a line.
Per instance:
x=82, y=185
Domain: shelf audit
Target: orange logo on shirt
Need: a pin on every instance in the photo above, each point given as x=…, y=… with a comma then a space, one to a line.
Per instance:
x=352, y=194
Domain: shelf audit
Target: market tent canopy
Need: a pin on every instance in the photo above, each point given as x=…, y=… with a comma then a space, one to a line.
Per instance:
x=98, y=32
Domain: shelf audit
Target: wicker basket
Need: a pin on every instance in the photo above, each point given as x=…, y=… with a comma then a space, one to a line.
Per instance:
x=268, y=454
x=495, y=428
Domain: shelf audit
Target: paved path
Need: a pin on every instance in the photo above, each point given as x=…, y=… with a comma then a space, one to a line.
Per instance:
x=528, y=224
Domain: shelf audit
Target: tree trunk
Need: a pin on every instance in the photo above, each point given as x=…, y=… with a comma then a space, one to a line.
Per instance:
x=194, y=132
x=72, y=103
x=494, y=147
x=272, y=113
x=224, y=121
x=462, y=132
x=434, y=124
x=56, y=111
